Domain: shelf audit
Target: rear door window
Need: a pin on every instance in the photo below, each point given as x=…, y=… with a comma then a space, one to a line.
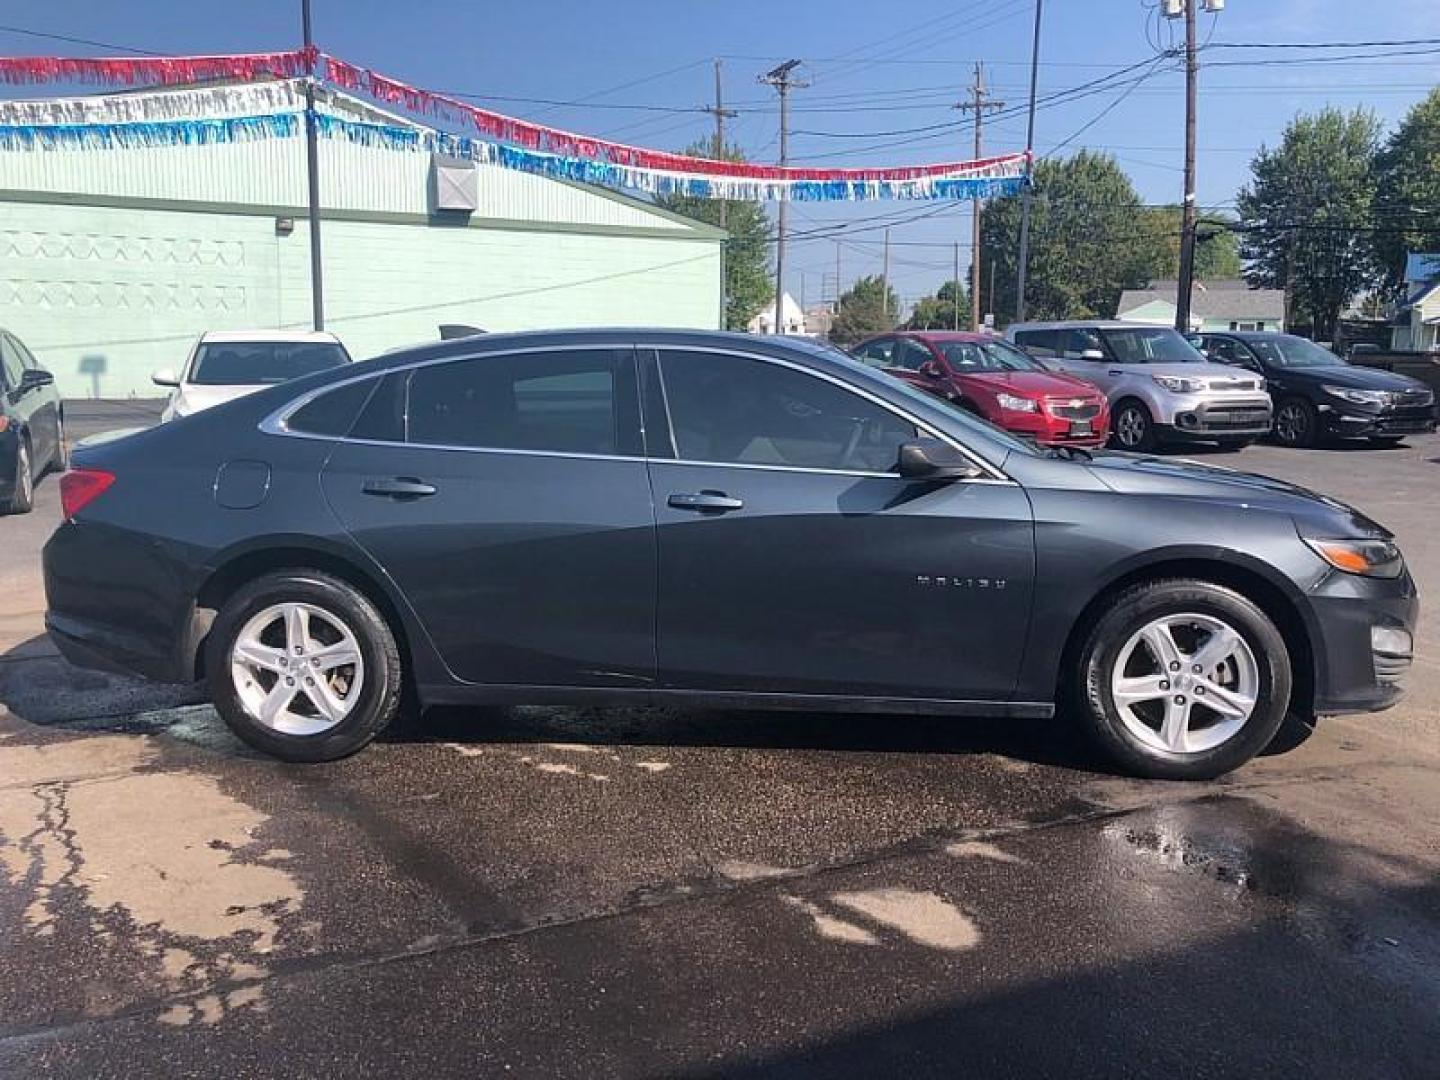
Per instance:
x=574, y=401
x=333, y=412
x=1038, y=342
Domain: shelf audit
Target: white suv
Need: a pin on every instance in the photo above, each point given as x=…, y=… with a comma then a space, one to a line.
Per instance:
x=1160, y=387
x=227, y=364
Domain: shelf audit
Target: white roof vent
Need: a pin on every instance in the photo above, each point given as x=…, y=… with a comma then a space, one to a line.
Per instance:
x=456, y=184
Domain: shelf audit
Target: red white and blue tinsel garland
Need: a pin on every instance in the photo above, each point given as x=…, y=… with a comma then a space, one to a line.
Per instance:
x=258, y=109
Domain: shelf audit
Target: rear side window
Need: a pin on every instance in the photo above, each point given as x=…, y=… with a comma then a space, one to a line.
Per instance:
x=333, y=412
x=738, y=410
x=1038, y=342
x=579, y=402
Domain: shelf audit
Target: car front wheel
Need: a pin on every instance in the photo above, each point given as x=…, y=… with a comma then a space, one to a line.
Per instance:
x=1183, y=680
x=1131, y=428
x=1296, y=423
x=302, y=666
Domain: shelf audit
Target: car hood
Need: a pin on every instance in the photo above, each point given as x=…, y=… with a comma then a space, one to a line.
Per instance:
x=1135, y=474
x=194, y=398
x=1356, y=378
x=1035, y=384
x=1221, y=372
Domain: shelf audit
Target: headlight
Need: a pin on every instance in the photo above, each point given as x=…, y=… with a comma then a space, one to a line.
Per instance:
x=1011, y=403
x=1359, y=397
x=1180, y=384
x=1368, y=558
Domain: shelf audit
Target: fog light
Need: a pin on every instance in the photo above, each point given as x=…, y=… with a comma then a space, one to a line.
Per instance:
x=1390, y=641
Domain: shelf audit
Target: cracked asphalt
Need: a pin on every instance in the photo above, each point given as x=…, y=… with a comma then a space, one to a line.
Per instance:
x=638, y=893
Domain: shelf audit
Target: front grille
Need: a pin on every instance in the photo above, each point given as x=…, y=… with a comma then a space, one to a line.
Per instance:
x=1075, y=409
x=1234, y=417
x=1411, y=398
x=1233, y=384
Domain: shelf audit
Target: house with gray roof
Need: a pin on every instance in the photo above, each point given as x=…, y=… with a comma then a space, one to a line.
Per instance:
x=1222, y=304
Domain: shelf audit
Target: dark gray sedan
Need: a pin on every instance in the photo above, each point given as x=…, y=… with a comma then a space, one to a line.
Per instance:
x=711, y=520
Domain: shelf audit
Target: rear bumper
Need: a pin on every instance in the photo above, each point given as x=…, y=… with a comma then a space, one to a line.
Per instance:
x=1352, y=676
x=116, y=602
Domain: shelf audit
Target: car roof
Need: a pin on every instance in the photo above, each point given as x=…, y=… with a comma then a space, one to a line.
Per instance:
x=314, y=336
x=1087, y=324
x=1248, y=335
x=944, y=335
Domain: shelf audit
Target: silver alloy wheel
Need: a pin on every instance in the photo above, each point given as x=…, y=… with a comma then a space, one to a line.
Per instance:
x=297, y=669
x=1130, y=426
x=1291, y=422
x=1185, y=683
x=24, y=475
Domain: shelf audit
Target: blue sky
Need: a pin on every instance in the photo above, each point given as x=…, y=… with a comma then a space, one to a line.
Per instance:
x=873, y=68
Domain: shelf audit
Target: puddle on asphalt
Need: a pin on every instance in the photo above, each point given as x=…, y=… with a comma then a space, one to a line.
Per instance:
x=122, y=860
x=555, y=762
x=979, y=849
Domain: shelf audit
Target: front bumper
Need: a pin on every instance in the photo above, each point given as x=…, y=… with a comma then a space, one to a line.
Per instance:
x=1351, y=675
x=1050, y=428
x=1349, y=422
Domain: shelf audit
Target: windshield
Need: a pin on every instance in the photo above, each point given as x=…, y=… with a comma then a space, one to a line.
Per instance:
x=1289, y=351
x=971, y=356
x=262, y=363
x=955, y=413
x=1151, y=345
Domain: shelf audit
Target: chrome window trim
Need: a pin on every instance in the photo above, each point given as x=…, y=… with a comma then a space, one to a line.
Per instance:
x=276, y=422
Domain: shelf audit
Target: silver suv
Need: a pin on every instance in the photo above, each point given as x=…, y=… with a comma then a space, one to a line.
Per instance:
x=1161, y=389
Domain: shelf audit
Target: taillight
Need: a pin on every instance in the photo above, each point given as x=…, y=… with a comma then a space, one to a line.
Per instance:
x=80, y=487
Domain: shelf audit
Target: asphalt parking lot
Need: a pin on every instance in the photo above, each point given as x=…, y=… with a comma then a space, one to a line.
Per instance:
x=583, y=892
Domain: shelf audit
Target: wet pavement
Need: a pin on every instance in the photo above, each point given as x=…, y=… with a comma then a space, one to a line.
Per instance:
x=563, y=892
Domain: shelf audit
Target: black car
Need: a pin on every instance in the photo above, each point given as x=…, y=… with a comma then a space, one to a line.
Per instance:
x=1319, y=396
x=707, y=519
x=32, y=426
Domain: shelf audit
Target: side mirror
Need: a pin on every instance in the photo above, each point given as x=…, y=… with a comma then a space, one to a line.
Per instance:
x=165, y=377
x=931, y=459
x=1093, y=354
x=36, y=377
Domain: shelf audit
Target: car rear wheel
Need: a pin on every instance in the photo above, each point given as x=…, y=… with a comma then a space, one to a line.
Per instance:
x=1296, y=423
x=302, y=666
x=1183, y=680
x=22, y=498
x=1131, y=427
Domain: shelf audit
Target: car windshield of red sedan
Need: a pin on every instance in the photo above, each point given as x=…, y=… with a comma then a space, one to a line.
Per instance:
x=973, y=356
x=1151, y=345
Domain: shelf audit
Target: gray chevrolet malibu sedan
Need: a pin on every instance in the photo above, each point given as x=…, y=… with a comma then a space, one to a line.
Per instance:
x=704, y=519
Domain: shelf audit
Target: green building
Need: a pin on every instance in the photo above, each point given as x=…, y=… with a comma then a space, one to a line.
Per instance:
x=113, y=260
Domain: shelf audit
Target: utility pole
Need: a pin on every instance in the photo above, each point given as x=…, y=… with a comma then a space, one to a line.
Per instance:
x=955, y=300
x=312, y=177
x=885, y=277
x=783, y=82
x=978, y=103
x=1026, y=195
x=837, y=277
x=721, y=114
x=1185, y=285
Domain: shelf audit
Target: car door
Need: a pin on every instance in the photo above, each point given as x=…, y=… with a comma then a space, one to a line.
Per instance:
x=40, y=402
x=507, y=497
x=793, y=559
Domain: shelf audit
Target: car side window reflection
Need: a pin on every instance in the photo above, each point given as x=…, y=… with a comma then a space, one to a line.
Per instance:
x=737, y=410
x=579, y=402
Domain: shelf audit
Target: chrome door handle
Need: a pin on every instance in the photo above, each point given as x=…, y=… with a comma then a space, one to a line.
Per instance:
x=716, y=502
x=399, y=487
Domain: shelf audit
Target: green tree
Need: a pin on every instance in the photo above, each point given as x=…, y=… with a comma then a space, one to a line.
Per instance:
x=749, y=279
x=938, y=312
x=1407, y=192
x=1306, y=214
x=1217, y=251
x=868, y=307
x=1090, y=239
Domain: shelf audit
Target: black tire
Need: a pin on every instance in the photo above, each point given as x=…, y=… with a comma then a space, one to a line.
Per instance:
x=379, y=694
x=22, y=497
x=1297, y=424
x=1131, y=427
x=1126, y=615
x=1229, y=446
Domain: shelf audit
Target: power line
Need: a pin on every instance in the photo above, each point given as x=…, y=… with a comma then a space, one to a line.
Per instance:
x=109, y=46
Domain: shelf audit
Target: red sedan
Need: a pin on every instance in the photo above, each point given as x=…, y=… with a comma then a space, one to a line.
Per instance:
x=995, y=380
